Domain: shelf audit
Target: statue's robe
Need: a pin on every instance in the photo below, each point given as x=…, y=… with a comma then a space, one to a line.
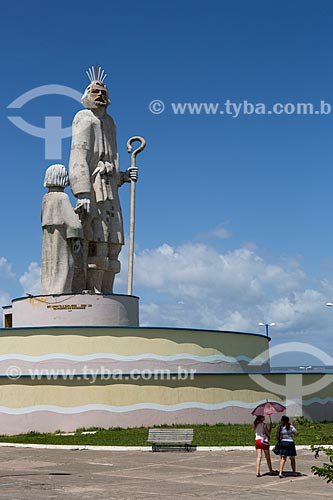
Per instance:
x=94, y=169
x=60, y=225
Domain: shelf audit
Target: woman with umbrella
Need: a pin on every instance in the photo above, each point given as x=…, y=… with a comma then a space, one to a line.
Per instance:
x=263, y=432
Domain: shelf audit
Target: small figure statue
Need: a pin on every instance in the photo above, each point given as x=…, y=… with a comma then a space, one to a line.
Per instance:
x=94, y=179
x=62, y=234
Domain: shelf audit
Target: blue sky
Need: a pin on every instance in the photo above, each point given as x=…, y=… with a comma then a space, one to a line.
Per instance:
x=233, y=214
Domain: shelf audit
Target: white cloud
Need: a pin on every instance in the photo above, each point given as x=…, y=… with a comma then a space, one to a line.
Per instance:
x=222, y=233
x=6, y=268
x=7, y=279
x=30, y=280
x=193, y=270
x=195, y=286
x=218, y=232
x=4, y=299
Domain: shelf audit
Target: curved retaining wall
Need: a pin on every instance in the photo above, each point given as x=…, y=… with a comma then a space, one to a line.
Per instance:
x=47, y=405
x=69, y=377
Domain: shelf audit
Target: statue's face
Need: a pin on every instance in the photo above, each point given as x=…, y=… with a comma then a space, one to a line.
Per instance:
x=98, y=95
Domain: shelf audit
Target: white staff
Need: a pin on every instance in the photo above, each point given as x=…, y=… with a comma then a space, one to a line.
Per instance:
x=132, y=208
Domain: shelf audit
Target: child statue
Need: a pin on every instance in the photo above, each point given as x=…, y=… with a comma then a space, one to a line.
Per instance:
x=62, y=234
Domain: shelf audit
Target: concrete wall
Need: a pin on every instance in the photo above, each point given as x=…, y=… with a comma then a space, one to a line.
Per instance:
x=48, y=405
x=73, y=310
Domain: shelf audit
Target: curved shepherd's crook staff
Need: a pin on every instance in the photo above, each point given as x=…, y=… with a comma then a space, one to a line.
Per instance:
x=132, y=208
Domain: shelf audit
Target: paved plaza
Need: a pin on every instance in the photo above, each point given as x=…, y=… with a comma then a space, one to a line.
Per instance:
x=140, y=475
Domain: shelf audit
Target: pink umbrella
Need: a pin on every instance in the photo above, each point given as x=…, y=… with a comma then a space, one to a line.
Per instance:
x=268, y=408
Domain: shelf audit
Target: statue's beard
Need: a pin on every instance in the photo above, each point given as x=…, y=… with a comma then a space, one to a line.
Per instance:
x=100, y=102
x=97, y=103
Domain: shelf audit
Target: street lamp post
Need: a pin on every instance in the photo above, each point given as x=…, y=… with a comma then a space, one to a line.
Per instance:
x=266, y=325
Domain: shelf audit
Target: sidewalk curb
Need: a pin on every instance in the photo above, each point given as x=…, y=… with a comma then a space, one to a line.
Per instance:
x=73, y=447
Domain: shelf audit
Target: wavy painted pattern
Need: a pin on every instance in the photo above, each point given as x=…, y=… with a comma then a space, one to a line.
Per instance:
x=146, y=406
x=121, y=409
x=127, y=342
x=118, y=357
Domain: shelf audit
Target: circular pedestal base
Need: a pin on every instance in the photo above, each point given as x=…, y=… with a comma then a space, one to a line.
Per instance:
x=67, y=377
x=76, y=310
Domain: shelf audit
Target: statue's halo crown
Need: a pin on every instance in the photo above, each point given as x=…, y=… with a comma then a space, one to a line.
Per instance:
x=96, y=74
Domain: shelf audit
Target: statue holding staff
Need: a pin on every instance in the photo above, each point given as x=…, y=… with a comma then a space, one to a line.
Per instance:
x=94, y=179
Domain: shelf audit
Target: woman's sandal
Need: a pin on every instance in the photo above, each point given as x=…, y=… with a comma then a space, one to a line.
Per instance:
x=258, y=475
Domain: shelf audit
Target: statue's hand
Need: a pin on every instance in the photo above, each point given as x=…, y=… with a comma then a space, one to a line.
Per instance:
x=76, y=245
x=133, y=173
x=83, y=203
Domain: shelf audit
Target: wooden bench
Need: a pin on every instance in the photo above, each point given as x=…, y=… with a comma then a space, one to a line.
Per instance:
x=170, y=437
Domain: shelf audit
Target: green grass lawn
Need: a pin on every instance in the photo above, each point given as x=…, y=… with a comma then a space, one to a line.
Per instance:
x=204, y=435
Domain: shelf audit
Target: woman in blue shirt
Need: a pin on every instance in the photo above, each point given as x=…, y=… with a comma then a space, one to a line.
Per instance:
x=285, y=434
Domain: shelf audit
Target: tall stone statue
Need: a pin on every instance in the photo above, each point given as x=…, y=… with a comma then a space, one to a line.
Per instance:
x=62, y=234
x=94, y=179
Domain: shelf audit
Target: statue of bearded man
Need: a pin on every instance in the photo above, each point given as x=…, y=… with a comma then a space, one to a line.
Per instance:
x=94, y=179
